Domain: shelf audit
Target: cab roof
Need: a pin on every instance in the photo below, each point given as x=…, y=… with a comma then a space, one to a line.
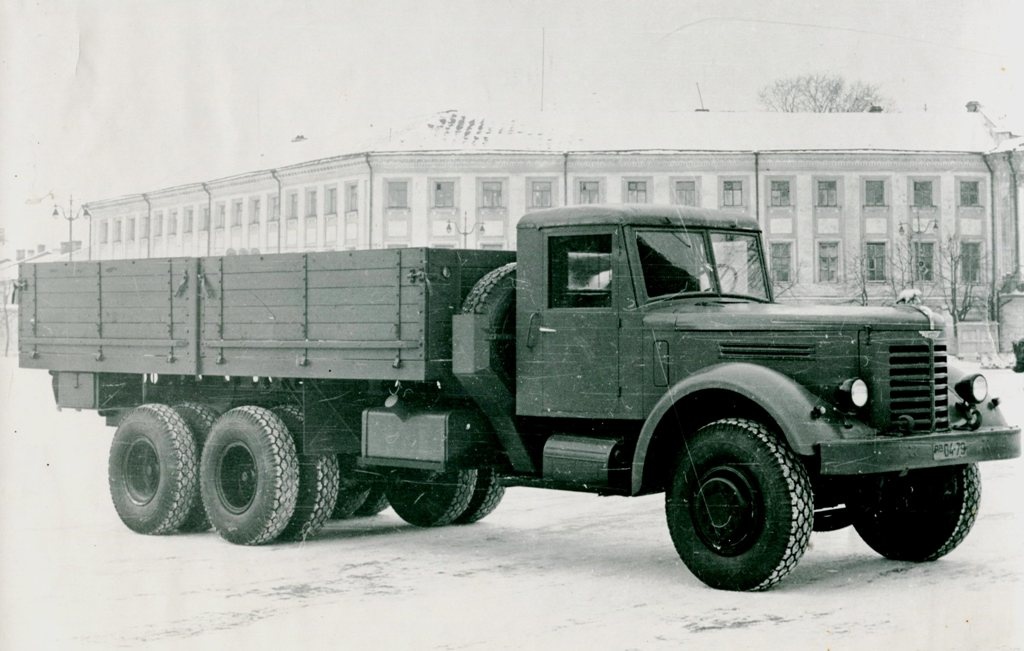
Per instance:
x=637, y=215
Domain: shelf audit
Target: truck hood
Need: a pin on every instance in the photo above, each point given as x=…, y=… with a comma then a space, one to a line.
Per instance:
x=707, y=314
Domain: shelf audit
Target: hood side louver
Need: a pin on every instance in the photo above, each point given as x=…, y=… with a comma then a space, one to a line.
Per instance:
x=765, y=351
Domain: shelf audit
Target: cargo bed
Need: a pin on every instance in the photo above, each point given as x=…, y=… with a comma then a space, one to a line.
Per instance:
x=383, y=314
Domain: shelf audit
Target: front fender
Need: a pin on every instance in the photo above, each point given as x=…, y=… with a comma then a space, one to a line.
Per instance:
x=991, y=414
x=786, y=402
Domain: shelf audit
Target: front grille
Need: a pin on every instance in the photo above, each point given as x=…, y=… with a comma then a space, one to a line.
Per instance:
x=917, y=386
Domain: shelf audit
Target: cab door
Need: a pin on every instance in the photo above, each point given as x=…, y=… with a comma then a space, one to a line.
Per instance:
x=571, y=351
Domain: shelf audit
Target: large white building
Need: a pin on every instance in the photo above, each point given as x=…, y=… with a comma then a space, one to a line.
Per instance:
x=851, y=204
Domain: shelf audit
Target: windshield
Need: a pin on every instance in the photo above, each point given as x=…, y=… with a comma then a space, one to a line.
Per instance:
x=739, y=265
x=673, y=262
x=678, y=262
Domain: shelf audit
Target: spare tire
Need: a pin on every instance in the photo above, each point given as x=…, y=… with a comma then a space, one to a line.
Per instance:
x=494, y=295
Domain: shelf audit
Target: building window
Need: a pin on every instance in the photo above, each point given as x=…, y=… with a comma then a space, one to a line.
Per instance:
x=970, y=262
x=780, y=194
x=732, y=193
x=923, y=194
x=444, y=194
x=221, y=217
x=874, y=193
x=331, y=201
x=236, y=213
x=293, y=205
x=273, y=207
x=172, y=222
x=187, y=226
x=398, y=194
x=254, y=210
x=540, y=194
x=144, y=227
x=874, y=261
x=590, y=192
x=351, y=197
x=491, y=194
x=205, y=225
x=828, y=197
x=782, y=262
x=158, y=224
x=636, y=191
x=103, y=232
x=117, y=230
x=924, y=261
x=969, y=193
x=129, y=228
x=686, y=193
x=311, y=202
x=828, y=262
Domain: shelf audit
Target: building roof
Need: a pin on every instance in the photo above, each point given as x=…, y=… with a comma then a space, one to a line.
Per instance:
x=707, y=131
x=636, y=215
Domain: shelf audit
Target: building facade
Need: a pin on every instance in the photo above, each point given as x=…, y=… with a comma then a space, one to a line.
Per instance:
x=840, y=224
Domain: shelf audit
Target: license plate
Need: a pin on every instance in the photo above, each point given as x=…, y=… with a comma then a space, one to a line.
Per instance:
x=950, y=450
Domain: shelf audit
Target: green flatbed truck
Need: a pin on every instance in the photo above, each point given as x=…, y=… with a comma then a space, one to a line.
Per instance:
x=622, y=350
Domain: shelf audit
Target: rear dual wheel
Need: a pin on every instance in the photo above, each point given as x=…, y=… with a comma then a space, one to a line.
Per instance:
x=250, y=476
x=152, y=470
x=437, y=498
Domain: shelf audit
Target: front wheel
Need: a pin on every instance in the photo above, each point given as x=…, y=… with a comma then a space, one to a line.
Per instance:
x=920, y=516
x=739, y=507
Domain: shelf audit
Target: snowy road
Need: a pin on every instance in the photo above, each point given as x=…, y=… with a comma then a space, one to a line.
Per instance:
x=547, y=570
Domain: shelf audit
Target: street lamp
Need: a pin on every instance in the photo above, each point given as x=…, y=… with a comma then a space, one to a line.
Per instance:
x=913, y=231
x=71, y=216
x=464, y=232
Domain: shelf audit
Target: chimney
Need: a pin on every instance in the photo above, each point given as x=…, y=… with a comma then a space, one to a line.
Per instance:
x=875, y=108
x=973, y=107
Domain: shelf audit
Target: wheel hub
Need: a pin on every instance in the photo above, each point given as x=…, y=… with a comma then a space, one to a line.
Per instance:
x=237, y=478
x=726, y=511
x=141, y=471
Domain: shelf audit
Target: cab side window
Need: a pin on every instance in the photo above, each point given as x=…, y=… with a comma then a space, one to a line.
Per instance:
x=580, y=271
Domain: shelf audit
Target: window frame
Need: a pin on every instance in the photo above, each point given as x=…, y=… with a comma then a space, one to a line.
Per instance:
x=876, y=268
x=819, y=244
x=830, y=194
x=731, y=193
x=775, y=196
x=391, y=194
x=772, y=258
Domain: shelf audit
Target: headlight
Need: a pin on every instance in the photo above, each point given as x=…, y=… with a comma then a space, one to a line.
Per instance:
x=856, y=391
x=972, y=388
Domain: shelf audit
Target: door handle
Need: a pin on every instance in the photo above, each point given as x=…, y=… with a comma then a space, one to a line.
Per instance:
x=545, y=329
x=531, y=341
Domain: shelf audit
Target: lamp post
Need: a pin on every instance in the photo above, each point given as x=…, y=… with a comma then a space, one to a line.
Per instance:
x=913, y=230
x=71, y=215
x=464, y=232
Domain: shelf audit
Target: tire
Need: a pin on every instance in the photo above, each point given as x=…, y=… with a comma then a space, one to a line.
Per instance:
x=152, y=470
x=200, y=419
x=375, y=502
x=352, y=491
x=920, y=516
x=495, y=296
x=740, y=507
x=487, y=495
x=430, y=499
x=318, y=481
x=249, y=476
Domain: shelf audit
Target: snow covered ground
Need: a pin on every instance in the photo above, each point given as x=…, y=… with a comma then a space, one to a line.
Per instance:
x=547, y=570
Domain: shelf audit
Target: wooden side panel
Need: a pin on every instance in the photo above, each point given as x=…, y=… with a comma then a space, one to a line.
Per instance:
x=113, y=315
x=344, y=314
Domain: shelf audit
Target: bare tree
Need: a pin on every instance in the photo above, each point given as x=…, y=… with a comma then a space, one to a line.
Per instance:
x=960, y=279
x=820, y=93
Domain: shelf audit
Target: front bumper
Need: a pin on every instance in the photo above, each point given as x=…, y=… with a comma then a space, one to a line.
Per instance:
x=889, y=454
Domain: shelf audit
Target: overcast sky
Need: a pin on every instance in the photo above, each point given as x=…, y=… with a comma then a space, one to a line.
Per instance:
x=101, y=99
